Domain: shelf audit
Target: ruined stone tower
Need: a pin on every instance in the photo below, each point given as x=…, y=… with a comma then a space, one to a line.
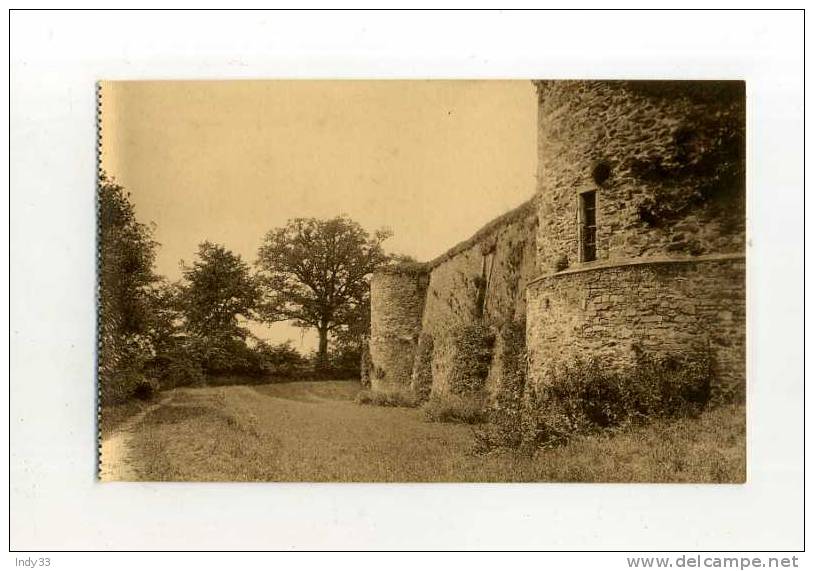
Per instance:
x=396, y=306
x=642, y=216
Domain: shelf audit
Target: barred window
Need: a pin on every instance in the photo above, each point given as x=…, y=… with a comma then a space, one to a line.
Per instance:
x=587, y=226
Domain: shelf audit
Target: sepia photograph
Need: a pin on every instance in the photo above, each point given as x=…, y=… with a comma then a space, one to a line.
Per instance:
x=525, y=285
x=535, y=280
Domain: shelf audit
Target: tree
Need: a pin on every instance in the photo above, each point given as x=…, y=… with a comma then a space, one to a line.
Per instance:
x=314, y=272
x=218, y=291
x=126, y=277
x=176, y=361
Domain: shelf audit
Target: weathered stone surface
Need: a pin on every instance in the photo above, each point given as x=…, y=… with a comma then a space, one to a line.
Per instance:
x=670, y=223
x=396, y=305
x=582, y=124
x=499, y=259
x=632, y=296
x=660, y=308
x=452, y=293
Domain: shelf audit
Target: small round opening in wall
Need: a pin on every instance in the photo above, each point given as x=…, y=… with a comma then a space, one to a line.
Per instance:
x=601, y=172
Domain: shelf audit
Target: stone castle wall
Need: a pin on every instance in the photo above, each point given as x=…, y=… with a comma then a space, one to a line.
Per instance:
x=501, y=260
x=665, y=163
x=669, y=307
x=665, y=160
x=480, y=280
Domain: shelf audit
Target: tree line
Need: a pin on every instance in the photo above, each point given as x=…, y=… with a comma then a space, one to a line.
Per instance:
x=154, y=332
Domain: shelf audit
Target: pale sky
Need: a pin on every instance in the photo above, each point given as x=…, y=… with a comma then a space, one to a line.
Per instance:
x=228, y=161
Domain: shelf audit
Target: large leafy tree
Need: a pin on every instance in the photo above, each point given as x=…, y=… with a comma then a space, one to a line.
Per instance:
x=315, y=273
x=126, y=280
x=217, y=295
x=218, y=291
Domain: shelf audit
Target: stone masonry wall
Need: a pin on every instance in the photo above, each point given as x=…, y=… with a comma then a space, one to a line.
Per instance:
x=667, y=307
x=504, y=256
x=652, y=151
x=396, y=305
x=666, y=163
x=480, y=280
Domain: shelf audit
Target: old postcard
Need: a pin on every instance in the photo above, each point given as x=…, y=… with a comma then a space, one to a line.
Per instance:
x=422, y=281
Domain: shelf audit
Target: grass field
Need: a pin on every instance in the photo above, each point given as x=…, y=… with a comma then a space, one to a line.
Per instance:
x=313, y=431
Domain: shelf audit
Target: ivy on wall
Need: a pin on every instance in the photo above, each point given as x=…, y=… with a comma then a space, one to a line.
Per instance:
x=471, y=357
x=702, y=170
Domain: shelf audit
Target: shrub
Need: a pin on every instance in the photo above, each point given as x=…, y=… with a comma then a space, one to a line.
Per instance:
x=585, y=396
x=344, y=361
x=454, y=408
x=117, y=387
x=127, y=385
x=279, y=360
x=190, y=360
x=505, y=414
x=225, y=355
x=146, y=389
x=119, y=374
x=421, y=381
x=394, y=398
x=673, y=385
x=179, y=364
x=366, y=366
x=471, y=357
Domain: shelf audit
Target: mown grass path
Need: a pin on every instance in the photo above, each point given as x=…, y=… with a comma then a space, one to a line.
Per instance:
x=116, y=463
x=313, y=431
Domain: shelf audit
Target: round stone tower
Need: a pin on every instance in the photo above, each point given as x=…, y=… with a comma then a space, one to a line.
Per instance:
x=641, y=189
x=397, y=297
